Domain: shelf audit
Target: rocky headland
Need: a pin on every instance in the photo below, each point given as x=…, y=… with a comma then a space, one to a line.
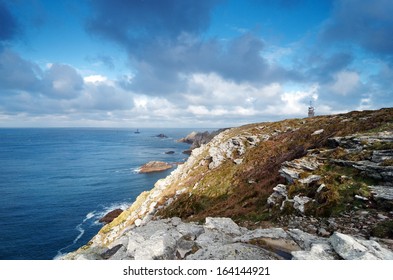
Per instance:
x=154, y=166
x=315, y=188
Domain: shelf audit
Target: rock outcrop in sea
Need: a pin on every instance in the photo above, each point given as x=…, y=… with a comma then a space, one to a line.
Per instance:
x=315, y=188
x=154, y=166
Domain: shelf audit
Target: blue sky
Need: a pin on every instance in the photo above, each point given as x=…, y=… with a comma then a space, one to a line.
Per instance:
x=186, y=63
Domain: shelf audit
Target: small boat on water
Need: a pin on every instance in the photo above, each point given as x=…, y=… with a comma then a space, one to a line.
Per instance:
x=137, y=131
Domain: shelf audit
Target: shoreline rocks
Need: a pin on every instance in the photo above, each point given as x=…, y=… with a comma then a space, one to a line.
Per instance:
x=155, y=166
x=222, y=239
x=109, y=217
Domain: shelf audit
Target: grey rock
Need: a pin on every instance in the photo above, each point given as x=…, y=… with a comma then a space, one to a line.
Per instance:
x=305, y=240
x=349, y=249
x=376, y=249
x=191, y=229
x=224, y=225
x=317, y=132
x=307, y=163
x=321, y=251
x=320, y=188
x=300, y=202
x=273, y=233
x=160, y=246
x=382, y=217
x=134, y=241
x=235, y=251
x=382, y=192
x=310, y=179
x=184, y=247
x=361, y=197
x=138, y=222
x=151, y=227
x=110, y=252
x=278, y=196
x=290, y=174
x=323, y=232
x=212, y=237
x=121, y=254
x=382, y=155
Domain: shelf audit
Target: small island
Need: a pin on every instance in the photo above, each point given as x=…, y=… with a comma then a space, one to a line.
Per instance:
x=155, y=166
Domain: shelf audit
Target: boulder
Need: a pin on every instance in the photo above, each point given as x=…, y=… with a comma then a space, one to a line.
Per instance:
x=279, y=195
x=272, y=233
x=234, y=251
x=347, y=247
x=224, y=225
x=310, y=179
x=300, y=202
x=161, y=245
x=154, y=166
x=317, y=132
x=383, y=192
x=319, y=251
x=305, y=240
x=290, y=174
x=109, y=217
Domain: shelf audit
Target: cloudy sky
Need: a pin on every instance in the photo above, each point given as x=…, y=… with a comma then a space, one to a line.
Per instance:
x=187, y=63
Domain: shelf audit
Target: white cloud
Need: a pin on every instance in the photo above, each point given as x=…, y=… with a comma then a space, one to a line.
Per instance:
x=365, y=103
x=95, y=79
x=293, y=102
x=345, y=82
x=208, y=89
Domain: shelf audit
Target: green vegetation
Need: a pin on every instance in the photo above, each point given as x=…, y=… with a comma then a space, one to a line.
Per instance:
x=240, y=191
x=383, y=229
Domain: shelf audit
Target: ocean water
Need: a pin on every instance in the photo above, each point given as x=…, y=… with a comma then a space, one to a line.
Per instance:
x=55, y=184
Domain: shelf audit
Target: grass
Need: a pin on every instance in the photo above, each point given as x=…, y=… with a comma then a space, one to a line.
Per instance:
x=226, y=191
x=383, y=230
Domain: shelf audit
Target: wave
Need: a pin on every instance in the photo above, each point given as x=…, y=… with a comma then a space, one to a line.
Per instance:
x=136, y=170
x=81, y=230
x=106, y=209
x=94, y=216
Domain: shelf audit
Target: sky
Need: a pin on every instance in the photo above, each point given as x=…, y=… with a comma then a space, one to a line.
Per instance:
x=187, y=63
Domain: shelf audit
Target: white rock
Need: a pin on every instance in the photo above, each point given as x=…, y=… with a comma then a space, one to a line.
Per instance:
x=320, y=188
x=382, y=217
x=138, y=222
x=382, y=192
x=290, y=174
x=273, y=233
x=376, y=249
x=310, y=179
x=210, y=238
x=349, y=248
x=134, y=241
x=224, y=225
x=161, y=245
x=317, y=132
x=280, y=193
x=361, y=197
x=305, y=240
x=299, y=202
x=317, y=252
x=235, y=251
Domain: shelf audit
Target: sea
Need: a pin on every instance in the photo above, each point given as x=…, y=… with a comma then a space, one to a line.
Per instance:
x=56, y=183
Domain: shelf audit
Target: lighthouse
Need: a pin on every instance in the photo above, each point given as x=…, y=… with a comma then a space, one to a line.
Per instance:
x=311, y=111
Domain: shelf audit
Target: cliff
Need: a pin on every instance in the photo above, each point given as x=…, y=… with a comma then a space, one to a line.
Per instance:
x=315, y=188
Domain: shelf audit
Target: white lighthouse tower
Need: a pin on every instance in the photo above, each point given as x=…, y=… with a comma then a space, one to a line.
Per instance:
x=311, y=111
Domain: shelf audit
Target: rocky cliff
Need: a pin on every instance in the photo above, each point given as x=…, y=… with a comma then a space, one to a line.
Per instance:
x=316, y=188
